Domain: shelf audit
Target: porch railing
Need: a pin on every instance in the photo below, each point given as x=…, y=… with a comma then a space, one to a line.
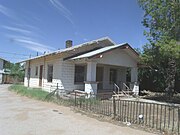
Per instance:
x=118, y=88
x=119, y=92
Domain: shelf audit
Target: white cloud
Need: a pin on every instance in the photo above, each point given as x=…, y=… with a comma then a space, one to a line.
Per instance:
x=12, y=37
x=15, y=29
x=62, y=10
x=23, y=30
x=26, y=26
x=25, y=35
x=33, y=45
x=5, y=11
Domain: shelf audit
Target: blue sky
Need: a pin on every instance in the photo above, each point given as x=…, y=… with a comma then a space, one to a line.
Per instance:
x=31, y=26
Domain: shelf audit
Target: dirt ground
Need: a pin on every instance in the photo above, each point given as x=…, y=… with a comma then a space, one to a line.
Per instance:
x=24, y=116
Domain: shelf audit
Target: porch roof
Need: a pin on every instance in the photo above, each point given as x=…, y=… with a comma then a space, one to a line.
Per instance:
x=103, y=50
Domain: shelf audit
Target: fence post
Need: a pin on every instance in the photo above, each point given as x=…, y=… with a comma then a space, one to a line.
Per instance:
x=114, y=107
x=75, y=98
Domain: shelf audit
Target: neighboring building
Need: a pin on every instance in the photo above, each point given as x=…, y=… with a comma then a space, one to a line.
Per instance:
x=2, y=73
x=93, y=66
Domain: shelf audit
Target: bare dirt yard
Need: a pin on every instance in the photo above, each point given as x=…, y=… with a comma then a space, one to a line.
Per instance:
x=24, y=116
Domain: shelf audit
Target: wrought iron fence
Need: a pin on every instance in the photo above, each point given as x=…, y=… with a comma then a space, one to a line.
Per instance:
x=159, y=116
x=162, y=117
x=95, y=105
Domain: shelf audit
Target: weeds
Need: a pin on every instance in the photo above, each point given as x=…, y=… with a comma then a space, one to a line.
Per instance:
x=35, y=93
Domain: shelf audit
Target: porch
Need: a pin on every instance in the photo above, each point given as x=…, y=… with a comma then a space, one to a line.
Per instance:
x=106, y=79
x=107, y=67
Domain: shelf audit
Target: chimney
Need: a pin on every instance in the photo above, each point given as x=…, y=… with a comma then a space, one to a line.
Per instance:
x=68, y=43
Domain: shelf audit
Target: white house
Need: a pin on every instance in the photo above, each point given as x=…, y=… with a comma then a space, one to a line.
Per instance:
x=2, y=63
x=92, y=67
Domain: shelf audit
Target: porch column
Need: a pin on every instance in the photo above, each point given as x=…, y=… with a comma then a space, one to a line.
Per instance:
x=90, y=83
x=134, y=74
x=134, y=81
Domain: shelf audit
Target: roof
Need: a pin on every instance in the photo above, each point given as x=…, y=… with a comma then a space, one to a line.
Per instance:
x=107, y=39
x=3, y=59
x=103, y=50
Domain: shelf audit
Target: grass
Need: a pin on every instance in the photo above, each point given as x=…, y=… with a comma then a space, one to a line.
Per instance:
x=39, y=94
x=35, y=93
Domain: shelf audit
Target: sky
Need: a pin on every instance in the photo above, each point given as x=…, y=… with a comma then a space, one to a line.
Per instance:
x=31, y=26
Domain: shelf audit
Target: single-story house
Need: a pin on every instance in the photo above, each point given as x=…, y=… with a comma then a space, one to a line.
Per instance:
x=92, y=67
x=2, y=70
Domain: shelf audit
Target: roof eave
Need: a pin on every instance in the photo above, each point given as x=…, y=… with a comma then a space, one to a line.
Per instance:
x=67, y=49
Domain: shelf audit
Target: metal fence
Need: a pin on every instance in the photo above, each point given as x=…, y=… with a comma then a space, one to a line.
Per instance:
x=162, y=117
x=159, y=116
x=99, y=106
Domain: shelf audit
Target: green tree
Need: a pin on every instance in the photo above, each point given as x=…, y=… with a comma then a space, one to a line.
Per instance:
x=162, y=18
x=16, y=71
x=162, y=54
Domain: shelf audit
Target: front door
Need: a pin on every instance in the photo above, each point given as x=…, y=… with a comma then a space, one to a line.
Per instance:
x=40, y=75
x=99, y=77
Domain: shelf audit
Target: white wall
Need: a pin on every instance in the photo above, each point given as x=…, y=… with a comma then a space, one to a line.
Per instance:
x=68, y=70
x=118, y=58
x=34, y=79
x=25, y=76
x=121, y=76
x=63, y=74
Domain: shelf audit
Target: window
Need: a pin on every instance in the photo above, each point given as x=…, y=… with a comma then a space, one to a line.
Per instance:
x=50, y=73
x=36, y=71
x=113, y=76
x=79, y=74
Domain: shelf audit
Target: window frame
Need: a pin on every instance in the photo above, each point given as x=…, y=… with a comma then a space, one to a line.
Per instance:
x=77, y=74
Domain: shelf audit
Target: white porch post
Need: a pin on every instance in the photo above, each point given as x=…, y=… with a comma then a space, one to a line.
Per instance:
x=90, y=83
x=91, y=71
x=134, y=80
x=134, y=74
